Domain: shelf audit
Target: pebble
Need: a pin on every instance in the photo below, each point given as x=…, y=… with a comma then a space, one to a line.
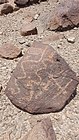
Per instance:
x=71, y=39
x=36, y=16
x=22, y=41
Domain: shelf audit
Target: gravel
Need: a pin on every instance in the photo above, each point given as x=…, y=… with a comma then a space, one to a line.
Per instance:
x=13, y=121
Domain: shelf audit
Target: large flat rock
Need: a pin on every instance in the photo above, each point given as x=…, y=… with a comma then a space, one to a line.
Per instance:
x=42, y=81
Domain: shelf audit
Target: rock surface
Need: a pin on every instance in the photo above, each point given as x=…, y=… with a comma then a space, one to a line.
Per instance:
x=21, y=2
x=42, y=81
x=6, y=9
x=28, y=29
x=65, y=15
x=3, y=1
x=43, y=130
x=25, y=2
x=9, y=51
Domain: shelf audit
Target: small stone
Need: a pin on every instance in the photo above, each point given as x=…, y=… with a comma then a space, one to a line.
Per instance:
x=3, y=1
x=43, y=130
x=6, y=9
x=71, y=39
x=9, y=51
x=21, y=41
x=28, y=29
x=36, y=16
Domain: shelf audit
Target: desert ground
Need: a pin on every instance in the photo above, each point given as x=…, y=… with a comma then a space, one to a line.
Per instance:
x=14, y=123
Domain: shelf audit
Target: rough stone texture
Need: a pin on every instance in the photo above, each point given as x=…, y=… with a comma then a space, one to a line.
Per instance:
x=3, y=1
x=42, y=82
x=9, y=51
x=28, y=29
x=43, y=130
x=21, y=2
x=65, y=15
x=6, y=9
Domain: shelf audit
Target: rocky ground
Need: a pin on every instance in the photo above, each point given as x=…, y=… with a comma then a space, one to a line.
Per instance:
x=14, y=123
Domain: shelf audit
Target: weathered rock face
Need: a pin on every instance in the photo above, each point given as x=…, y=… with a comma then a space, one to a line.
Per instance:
x=65, y=15
x=43, y=130
x=3, y=1
x=42, y=81
x=7, y=8
x=9, y=51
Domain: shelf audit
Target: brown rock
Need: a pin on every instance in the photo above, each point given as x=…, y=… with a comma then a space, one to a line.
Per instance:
x=3, y=1
x=42, y=81
x=65, y=15
x=43, y=130
x=9, y=51
x=26, y=2
x=6, y=9
x=28, y=29
x=21, y=2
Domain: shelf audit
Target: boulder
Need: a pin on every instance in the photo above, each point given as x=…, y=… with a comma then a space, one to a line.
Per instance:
x=42, y=81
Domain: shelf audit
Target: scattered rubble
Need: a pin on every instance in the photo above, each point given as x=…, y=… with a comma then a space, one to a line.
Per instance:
x=71, y=39
x=6, y=9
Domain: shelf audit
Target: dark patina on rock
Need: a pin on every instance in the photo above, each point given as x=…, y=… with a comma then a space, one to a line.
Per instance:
x=42, y=81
